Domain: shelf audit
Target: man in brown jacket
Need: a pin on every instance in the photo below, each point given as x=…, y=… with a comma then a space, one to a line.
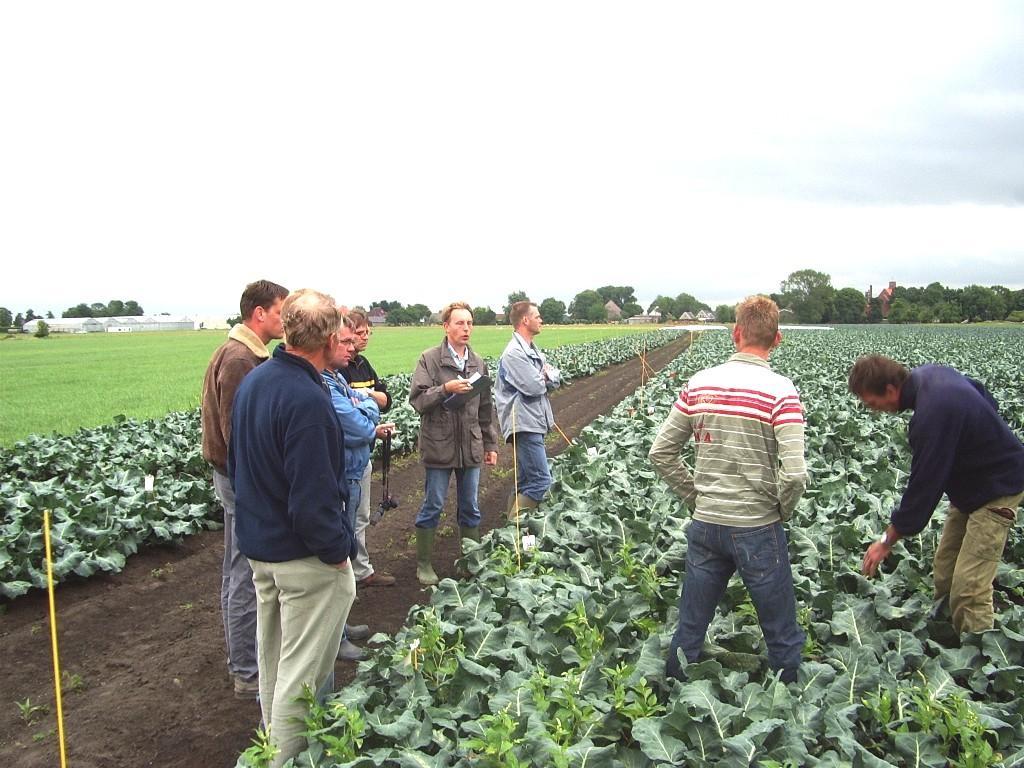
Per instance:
x=245, y=348
x=456, y=433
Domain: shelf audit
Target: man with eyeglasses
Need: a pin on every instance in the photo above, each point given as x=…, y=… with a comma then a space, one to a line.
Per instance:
x=361, y=376
x=359, y=417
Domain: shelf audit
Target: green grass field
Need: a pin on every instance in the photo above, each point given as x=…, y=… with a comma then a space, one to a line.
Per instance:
x=67, y=381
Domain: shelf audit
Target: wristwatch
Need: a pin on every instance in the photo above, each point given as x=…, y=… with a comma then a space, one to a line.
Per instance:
x=884, y=539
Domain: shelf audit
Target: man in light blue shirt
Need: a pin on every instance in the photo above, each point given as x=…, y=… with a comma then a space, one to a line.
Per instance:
x=524, y=409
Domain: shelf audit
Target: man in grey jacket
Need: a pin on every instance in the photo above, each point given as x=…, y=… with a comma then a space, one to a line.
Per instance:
x=524, y=409
x=456, y=431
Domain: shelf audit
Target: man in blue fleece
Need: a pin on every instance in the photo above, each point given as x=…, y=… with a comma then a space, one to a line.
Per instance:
x=286, y=461
x=961, y=447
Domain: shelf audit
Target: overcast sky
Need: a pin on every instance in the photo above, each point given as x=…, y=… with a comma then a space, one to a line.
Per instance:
x=425, y=152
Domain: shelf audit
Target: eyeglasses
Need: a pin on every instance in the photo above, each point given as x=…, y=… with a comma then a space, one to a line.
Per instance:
x=366, y=332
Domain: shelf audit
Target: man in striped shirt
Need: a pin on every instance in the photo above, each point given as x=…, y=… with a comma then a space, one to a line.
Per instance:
x=748, y=430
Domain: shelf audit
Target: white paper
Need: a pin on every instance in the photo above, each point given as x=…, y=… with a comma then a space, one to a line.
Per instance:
x=529, y=542
x=149, y=483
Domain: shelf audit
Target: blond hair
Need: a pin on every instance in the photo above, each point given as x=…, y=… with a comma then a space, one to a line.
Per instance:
x=757, y=317
x=309, y=318
x=446, y=313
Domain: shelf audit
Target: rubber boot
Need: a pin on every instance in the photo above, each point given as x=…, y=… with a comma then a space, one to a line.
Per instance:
x=467, y=532
x=524, y=502
x=424, y=554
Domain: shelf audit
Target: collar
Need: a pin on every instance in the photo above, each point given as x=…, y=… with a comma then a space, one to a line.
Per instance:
x=527, y=345
x=908, y=393
x=746, y=357
x=282, y=354
x=245, y=335
x=459, y=360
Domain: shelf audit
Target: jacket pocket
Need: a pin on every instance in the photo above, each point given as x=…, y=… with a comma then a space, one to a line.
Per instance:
x=437, y=438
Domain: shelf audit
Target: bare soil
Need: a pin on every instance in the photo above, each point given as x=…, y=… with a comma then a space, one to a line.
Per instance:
x=142, y=651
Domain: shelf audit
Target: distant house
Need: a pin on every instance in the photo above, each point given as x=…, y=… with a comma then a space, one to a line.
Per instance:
x=377, y=316
x=884, y=298
x=653, y=318
x=687, y=316
x=500, y=319
x=612, y=311
x=435, y=318
x=705, y=317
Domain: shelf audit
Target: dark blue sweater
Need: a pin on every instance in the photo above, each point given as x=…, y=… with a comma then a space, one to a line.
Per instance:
x=961, y=447
x=286, y=463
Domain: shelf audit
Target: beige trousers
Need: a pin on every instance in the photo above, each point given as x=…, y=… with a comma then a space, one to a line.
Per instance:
x=967, y=557
x=301, y=609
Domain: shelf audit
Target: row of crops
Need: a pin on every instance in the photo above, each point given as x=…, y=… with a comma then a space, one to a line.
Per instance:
x=94, y=481
x=555, y=656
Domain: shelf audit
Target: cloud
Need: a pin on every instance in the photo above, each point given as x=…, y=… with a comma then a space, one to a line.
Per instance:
x=170, y=154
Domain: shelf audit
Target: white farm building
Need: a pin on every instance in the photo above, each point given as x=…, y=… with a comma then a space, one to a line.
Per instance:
x=129, y=324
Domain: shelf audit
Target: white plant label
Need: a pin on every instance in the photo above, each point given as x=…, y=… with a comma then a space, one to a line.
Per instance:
x=149, y=483
x=529, y=542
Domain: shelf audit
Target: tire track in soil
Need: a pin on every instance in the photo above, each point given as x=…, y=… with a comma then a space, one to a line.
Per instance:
x=148, y=643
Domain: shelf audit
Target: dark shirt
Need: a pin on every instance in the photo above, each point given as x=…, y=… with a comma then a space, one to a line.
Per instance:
x=286, y=461
x=360, y=375
x=961, y=447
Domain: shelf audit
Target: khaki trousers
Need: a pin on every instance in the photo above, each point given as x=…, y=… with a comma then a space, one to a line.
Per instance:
x=967, y=557
x=301, y=609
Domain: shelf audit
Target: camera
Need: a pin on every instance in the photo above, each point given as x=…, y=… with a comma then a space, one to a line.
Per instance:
x=388, y=502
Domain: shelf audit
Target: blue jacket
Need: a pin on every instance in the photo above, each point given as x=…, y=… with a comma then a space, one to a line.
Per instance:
x=286, y=464
x=523, y=387
x=359, y=416
x=961, y=447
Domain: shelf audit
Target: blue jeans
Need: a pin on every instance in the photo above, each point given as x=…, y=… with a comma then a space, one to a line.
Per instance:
x=435, y=488
x=534, y=477
x=355, y=493
x=761, y=555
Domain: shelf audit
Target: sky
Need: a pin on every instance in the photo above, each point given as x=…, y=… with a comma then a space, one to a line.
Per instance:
x=429, y=152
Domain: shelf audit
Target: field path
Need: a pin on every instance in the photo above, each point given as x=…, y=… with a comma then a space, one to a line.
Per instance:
x=143, y=650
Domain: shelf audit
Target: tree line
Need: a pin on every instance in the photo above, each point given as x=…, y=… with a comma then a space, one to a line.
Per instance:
x=806, y=296
x=114, y=308
x=811, y=298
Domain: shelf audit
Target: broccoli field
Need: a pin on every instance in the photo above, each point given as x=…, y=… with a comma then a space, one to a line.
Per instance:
x=555, y=655
x=94, y=480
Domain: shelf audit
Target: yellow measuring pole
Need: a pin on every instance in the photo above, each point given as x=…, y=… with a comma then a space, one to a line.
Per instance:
x=515, y=490
x=568, y=440
x=53, y=637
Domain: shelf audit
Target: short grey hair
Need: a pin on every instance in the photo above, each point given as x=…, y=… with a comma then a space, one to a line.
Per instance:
x=309, y=318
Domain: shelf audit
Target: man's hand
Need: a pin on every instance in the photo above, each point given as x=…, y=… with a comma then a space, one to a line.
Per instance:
x=342, y=566
x=457, y=385
x=379, y=397
x=383, y=430
x=876, y=553
x=491, y=458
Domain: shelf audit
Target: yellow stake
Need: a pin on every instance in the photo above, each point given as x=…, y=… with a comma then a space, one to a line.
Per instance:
x=515, y=490
x=568, y=440
x=53, y=637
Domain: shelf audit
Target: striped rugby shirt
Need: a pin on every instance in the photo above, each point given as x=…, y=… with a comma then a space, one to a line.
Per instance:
x=747, y=426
